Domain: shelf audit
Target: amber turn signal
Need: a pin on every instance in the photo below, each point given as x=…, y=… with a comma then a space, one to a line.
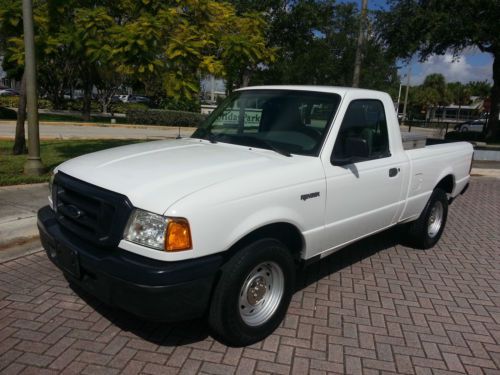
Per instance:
x=178, y=236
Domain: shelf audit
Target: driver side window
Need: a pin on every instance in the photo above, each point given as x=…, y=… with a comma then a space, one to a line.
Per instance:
x=363, y=132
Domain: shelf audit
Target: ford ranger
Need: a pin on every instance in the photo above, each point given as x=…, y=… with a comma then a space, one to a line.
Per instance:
x=219, y=224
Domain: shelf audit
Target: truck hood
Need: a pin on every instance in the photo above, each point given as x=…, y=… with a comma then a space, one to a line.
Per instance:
x=155, y=175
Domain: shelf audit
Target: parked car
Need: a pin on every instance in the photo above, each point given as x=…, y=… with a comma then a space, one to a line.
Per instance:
x=219, y=224
x=472, y=126
x=76, y=95
x=9, y=92
x=135, y=99
x=7, y=114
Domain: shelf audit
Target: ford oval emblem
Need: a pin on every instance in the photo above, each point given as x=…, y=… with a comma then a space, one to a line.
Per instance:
x=74, y=212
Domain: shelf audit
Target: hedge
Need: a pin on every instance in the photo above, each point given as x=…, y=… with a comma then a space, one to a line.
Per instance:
x=13, y=102
x=73, y=105
x=165, y=117
x=119, y=107
x=7, y=114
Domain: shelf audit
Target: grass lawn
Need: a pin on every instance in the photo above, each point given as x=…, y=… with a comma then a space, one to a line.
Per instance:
x=53, y=153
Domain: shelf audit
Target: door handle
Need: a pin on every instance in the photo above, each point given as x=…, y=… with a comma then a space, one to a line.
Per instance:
x=393, y=172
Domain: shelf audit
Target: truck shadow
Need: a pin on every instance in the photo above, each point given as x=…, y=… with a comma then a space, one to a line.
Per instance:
x=351, y=255
x=183, y=333
x=158, y=333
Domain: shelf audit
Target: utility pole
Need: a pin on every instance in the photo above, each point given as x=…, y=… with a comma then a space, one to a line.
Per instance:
x=399, y=98
x=406, y=94
x=359, y=47
x=33, y=165
x=212, y=88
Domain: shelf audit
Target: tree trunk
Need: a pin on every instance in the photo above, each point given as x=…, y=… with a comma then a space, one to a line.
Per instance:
x=104, y=105
x=245, y=78
x=492, y=132
x=229, y=85
x=87, y=94
x=20, y=137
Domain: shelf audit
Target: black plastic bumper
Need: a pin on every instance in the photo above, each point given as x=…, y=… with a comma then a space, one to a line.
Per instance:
x=158, y=290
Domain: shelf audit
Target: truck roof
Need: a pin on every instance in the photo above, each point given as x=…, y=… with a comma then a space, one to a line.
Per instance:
x=329, y=89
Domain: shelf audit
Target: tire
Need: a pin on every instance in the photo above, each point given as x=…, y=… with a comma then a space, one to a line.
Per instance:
x=426, y=231
x=244, y=308
x=464, y=129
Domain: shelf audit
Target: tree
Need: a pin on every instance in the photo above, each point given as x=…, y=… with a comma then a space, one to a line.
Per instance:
x=425, y=97
x=104, y=44
x=459, y=94
x=316, y=44
x=427, y=27
x=19, y=147
x=10, y=25
x=479, y=88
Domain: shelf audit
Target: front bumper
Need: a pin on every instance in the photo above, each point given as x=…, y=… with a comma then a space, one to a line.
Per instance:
x=152, y=289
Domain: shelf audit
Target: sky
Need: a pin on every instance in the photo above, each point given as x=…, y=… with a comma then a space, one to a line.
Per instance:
x=471, y=66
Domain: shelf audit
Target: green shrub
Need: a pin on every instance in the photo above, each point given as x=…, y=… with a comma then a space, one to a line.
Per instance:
x=9, y=101
x=13, y=102
x=73, y=105
x=465, y=136
x=77, y=105
x=186, y=105
x=125, y=107
x=165, y=117
x=7, y=114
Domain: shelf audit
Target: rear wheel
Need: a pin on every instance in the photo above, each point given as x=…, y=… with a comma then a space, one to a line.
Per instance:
x=253, y=293
x=464, y=129
x=426, y=231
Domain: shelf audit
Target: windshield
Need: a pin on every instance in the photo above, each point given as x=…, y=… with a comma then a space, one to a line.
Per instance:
x=286, y=121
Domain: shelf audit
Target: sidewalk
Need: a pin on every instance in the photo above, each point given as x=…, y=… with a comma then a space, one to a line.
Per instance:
x=19, y=205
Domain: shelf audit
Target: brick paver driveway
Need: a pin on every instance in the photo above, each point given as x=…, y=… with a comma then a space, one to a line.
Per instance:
x=376, y=307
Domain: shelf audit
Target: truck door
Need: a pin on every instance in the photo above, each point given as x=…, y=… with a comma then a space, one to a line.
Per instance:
x=364, y=179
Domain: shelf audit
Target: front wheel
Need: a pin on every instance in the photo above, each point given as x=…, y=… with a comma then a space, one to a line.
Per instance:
x=253, y=293
x=426, y=231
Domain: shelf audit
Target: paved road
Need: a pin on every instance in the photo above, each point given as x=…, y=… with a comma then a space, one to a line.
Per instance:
x=374, y=308
x=74, y=131
x=50, y=131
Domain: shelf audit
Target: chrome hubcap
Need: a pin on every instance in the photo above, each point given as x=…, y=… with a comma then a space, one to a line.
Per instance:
x=256, y=291
x=435, y=219
x=261, y=293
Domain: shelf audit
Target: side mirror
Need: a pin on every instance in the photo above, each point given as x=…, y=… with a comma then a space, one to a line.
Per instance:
x=355, y=148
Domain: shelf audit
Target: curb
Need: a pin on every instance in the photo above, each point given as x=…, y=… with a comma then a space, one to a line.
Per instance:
x=485, y=172
x=13, y=187
x=19, y=248
x=106, y=125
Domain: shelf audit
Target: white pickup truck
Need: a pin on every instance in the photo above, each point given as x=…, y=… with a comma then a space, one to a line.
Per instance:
x=218, y=224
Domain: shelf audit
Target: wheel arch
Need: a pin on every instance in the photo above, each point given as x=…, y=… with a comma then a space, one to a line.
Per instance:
x=285, y=232
x=446, y=183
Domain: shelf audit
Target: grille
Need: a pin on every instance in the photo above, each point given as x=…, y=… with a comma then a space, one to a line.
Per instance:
x=92, y=213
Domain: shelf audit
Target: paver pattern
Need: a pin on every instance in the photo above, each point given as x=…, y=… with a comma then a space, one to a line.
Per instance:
x=377, y=307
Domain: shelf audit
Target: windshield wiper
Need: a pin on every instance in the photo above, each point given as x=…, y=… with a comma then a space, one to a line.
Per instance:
x=270, y=146
x=212, y=137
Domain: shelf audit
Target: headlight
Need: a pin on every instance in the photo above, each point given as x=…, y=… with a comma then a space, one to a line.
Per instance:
x=52, y=197
x=51, y=182
x=157, y=231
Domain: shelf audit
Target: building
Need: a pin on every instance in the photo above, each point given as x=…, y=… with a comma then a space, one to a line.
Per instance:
x=455, y=113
